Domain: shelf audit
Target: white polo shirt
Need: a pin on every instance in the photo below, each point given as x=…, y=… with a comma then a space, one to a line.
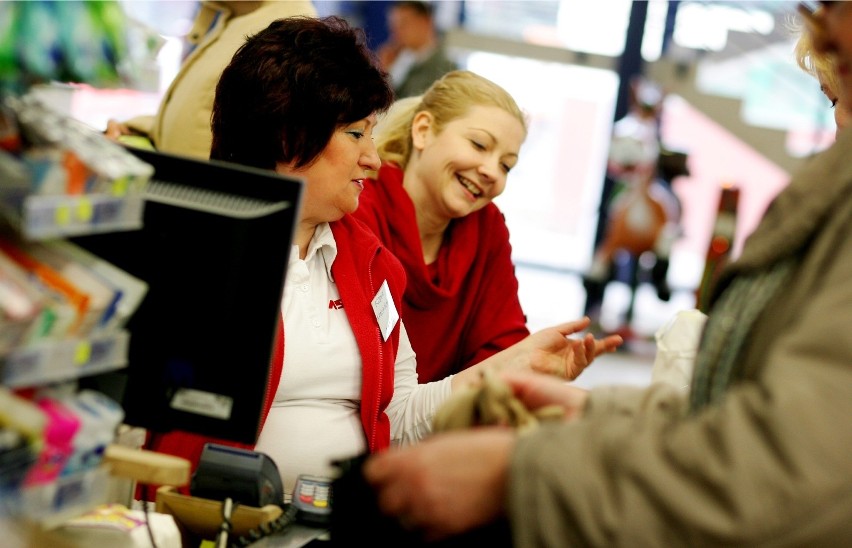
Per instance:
x=315, y=416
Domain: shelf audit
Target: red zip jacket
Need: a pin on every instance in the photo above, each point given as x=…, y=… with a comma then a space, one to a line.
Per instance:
x=362, y=264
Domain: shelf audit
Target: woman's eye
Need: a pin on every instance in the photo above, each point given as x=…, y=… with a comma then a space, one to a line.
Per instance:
x=833, y=103
x=507, y=168
x=356, y=134
x=477, y=145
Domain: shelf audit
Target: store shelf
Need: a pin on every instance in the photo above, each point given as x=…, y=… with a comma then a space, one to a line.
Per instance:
x=43, y=217
x=52, y=361
x=69, y=496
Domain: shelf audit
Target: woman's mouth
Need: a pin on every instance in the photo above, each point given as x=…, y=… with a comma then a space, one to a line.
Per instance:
x=470, y=186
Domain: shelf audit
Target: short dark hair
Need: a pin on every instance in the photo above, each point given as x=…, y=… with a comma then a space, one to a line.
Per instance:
x=289, y=87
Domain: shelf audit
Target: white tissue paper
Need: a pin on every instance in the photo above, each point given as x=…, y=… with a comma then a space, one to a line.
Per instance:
x=114, y=525
x=677, y=345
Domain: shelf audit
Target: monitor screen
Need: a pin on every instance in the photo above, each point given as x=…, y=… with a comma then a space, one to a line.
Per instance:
x=213, y=250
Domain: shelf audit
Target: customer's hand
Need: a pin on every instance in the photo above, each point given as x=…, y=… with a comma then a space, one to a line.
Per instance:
x=447, y=484
x=116, y=129
x=538, y=391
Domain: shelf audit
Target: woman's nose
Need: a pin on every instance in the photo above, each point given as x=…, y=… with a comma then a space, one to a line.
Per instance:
x=491, y=170
x=370, y=158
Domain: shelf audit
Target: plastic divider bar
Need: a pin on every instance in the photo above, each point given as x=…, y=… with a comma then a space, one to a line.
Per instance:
x=53, y=361
x=69, y=496
x=45, y=217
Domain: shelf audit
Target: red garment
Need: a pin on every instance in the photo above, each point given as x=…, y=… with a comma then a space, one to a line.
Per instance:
x=361, y=265
x=471, y=310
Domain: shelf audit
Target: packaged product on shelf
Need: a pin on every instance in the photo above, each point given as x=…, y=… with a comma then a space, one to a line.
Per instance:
x=16, y=457
x=14, y=182
x=42, y=41
x=23, y=425
x=102, y=297
x=91, y=163
x=67, y=301
x=99, y=417
x=23, y=416
x=130, y=289
x=20, y=304
x=10, y=133
x=75, y=180
x=59, y=431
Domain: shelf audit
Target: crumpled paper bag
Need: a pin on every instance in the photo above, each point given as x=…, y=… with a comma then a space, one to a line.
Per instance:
x=677, y=345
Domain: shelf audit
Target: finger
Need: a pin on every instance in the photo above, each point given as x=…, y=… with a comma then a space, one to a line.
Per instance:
x=569, y=328
x=377, y=469
x=578, y=360
x=591, y=347
x=585, y=355
x=613, y=342
x=608, y=344
x=582, y=356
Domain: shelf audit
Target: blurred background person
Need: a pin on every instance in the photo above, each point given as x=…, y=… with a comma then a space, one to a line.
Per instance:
x=182, y=122
x=414, y=54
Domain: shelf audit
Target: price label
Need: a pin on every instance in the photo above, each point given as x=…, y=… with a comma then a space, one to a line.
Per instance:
x=84, y=210
x=62, y=216
x=82, y=353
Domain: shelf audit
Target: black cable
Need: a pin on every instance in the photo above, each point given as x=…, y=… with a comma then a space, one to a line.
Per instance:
x=279, y=524
x=147, y=494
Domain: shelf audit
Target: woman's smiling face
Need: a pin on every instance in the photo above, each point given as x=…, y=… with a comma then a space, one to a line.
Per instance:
x=465, y=166
x=334, y=181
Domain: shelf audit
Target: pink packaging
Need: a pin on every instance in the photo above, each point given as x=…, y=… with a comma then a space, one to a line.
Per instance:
x=62, y=424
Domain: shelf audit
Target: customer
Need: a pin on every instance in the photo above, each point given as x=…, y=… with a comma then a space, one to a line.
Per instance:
x=414, y=54
x=823, y=67
x=301, y=98
x=182, y=122
x=757, y=456
x=445, y=156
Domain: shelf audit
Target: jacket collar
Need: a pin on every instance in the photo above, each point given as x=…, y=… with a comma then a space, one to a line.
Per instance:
x=808, y=202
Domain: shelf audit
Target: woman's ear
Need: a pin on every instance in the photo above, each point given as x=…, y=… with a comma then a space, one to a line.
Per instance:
x=421, y=129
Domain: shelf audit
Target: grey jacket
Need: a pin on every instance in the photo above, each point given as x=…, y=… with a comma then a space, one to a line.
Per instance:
x=422, y=74
x=767, y=463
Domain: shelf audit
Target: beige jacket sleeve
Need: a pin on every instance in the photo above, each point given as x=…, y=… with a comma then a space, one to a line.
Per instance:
x=768, y=466
x=182, y=123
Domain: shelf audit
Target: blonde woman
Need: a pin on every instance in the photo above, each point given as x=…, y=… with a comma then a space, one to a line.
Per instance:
x=446, y=155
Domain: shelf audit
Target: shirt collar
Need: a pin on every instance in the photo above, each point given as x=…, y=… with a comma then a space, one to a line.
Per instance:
x=322, y=243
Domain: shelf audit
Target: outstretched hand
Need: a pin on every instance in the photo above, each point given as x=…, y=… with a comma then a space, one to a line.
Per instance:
x=553, y=352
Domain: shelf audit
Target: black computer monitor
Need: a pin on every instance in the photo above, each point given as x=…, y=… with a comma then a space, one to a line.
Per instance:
x=213, y=249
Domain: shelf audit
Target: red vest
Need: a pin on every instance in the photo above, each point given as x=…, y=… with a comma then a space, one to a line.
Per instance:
x=362, y=264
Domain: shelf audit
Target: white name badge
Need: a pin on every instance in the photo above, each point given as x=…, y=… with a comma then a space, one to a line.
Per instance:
x=385, y=310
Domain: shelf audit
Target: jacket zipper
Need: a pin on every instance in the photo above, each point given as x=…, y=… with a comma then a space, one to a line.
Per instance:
x=375, y=418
